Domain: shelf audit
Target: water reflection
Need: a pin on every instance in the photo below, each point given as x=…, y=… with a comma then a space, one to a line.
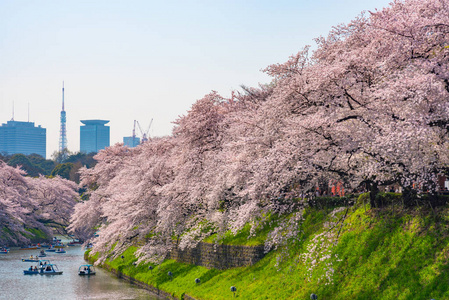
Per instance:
x=69, y=285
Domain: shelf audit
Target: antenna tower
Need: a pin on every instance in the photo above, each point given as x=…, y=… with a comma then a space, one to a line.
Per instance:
x=63, y=131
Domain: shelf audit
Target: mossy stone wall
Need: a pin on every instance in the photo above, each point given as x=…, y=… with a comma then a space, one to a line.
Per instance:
x=218, y=256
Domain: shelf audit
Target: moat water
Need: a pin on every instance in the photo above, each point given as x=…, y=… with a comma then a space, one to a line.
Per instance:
x=15, y=285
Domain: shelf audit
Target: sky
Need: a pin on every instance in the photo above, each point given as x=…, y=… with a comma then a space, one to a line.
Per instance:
x=146, y=60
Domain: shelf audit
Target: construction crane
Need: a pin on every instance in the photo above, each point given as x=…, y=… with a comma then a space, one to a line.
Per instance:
x=145, y=135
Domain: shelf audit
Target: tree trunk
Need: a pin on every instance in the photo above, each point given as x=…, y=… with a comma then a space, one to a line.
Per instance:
x=409, y=195
x=373, y=191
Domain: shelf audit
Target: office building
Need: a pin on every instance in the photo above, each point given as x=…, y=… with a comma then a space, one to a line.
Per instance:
x=23, y=137
x=130, y=141
x=94, y=135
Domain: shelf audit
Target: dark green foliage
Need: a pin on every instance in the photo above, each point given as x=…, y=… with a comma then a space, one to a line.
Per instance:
x=83, y=159
x=46, y=164
x=60, y=156
x=33, y=164
x=69, y=167
x=25, y=164
x=63, y=170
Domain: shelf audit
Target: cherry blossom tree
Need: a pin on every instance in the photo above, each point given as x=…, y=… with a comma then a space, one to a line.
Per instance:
x=32, y=203
x=89, y=214
x=368, y=107
x=54, y=198
x=14, y=204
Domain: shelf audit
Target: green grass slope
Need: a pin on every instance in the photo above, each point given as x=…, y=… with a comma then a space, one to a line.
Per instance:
x=33, y=234
x=353, y=253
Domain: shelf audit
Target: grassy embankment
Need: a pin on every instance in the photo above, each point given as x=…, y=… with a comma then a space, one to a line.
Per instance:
x=390, y=253
x=35, y=235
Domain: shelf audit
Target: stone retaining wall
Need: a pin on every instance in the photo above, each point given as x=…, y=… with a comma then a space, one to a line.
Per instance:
x=219, y=256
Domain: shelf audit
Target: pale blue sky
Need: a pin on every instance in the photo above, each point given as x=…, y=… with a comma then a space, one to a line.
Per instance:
x=127, y=60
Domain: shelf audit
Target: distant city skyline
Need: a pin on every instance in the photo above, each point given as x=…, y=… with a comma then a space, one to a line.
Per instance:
x=141, y=60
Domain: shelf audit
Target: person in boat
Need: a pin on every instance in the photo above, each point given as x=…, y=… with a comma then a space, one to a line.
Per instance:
x=35, y=268
x=31, y=268
x=48, y=268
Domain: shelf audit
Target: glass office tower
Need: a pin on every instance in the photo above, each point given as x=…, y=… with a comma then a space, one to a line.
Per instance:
x=23, y=137
x=94, y=135
x=131, y=142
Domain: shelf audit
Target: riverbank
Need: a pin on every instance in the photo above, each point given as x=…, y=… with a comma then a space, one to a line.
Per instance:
x=355, y=252
x=32, y=235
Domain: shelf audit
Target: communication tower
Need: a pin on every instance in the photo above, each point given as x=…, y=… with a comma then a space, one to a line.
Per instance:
x=63, y=131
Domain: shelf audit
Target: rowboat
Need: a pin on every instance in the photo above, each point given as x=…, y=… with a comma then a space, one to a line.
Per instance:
x=60, y=250
x=86, y=270
x=49, y=269
x=31, y=271
x=30, y=247
x=74, y=243
x=30, y=259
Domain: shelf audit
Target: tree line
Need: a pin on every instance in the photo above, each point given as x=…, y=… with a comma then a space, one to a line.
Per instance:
x=368, y=107
x=66, y=166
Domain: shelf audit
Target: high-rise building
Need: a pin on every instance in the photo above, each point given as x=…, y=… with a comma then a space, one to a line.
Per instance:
x=63, y=130
x=131, y=141
x=23, y=137
x=94, y=135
